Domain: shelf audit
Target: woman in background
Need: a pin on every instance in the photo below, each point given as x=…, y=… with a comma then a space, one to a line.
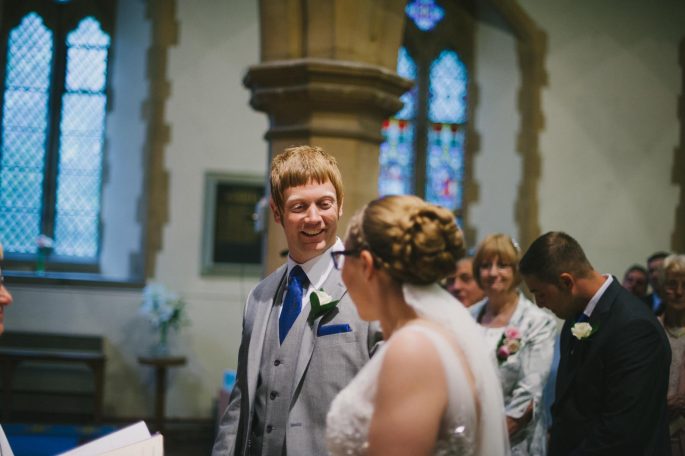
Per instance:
x=430, y=388
x=672, y=282
x=520, y=336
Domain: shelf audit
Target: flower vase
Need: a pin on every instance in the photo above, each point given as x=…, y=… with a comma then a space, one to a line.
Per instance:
x=161, y=348
x=41, y=260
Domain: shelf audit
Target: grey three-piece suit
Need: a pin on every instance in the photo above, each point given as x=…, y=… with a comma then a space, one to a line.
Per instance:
x=283, y=392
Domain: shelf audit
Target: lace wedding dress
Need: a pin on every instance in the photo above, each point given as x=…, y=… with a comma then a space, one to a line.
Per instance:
x=471, y=425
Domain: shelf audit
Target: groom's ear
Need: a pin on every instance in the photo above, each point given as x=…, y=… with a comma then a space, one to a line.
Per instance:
x=567, y=281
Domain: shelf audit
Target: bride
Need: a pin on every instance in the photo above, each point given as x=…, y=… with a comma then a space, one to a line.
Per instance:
x=432, y=388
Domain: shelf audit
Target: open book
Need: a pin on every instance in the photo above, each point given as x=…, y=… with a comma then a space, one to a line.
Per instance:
x=134, y=440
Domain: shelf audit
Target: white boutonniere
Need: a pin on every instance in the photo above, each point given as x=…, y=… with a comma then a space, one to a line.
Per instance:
x=320, y=303
x=583, y=330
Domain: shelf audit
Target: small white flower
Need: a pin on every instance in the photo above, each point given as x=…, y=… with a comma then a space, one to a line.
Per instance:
x=44, y=242
x=324, y=298
x=581, y=330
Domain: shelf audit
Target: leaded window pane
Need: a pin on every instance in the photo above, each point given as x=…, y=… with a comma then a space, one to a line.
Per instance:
x=396, y=158
x=24, y=129
x=407, y=69
x=447, y=89
x=425, y=13
x=81, y=142
x=445, y=165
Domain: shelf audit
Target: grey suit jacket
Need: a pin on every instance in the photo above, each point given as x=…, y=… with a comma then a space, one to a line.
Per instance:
x=325, y=365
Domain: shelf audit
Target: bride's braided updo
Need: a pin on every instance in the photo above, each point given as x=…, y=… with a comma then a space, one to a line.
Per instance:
x=414, y=241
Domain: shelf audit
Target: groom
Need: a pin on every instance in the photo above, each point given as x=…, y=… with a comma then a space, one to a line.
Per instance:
x=613, y=372
x=293, y=358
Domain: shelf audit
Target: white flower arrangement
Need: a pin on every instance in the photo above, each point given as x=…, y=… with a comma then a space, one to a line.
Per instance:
x=163, y=308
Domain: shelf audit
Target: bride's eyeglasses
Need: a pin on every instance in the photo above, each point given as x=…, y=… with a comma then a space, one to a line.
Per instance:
x=339, y=256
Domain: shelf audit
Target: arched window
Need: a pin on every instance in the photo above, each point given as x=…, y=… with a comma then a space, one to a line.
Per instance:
x=54, y=101
x=423, y=149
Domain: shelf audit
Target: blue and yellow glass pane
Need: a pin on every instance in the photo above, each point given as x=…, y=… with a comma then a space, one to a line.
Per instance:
x=82, y=127
x=397, y=158
x=24, y=130
x=425, y=13
x=445, y=165
x=447, y=89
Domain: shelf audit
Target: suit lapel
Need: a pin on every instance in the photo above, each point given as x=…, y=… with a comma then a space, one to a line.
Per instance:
x=336, y=289
x=572, y=358
x=261, y=307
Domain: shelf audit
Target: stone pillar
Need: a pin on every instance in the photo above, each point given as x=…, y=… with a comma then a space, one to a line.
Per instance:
x=327, y=78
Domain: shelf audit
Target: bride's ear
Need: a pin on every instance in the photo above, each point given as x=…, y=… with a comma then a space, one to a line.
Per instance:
x=368, y=267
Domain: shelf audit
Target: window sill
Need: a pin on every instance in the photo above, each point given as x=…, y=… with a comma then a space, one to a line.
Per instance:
x=81, y=279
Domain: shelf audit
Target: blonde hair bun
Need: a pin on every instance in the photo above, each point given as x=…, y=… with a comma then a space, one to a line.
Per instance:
x=414, y=241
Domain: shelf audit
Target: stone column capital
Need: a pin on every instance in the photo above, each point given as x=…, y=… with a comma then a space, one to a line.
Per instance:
x=322, y=97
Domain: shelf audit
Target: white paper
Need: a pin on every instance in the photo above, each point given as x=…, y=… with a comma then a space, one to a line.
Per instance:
x=125, y=437
x=5, y=449
x=154, y=446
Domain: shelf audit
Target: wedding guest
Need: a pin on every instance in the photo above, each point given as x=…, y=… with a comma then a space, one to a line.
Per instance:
x=653, y=300
x=635, y=280
x=672, y=282
x=521, y=336
x=612, y=380
x=296, y=354
x=463, y=285
x=5, y=296
x=431, y=388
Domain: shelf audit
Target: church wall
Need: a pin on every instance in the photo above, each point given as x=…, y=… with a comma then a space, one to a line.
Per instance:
x=497, y=166
x=611, y=125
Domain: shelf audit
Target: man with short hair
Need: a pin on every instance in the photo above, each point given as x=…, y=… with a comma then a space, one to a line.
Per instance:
x=654, y=264
x=612, y=379
x=462, y=285
x=635, y=280
x=295, y=356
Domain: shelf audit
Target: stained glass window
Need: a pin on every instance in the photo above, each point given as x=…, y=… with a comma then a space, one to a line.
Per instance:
x=81, y=139
x=407, y=69
x=447, y=89
x=397, y=158
x=24, y=133
x=445, y=165
x=48, y=185
x=425, y=14
x=446, y=111
x=397, y=150
x=423, y=148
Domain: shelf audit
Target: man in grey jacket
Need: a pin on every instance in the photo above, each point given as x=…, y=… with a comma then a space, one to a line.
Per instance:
x=297, y=350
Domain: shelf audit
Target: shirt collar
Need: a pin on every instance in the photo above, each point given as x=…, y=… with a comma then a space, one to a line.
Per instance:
x=598, y=295
x=318, y=268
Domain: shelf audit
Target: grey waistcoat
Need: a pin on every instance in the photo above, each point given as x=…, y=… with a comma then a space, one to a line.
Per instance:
x=275, y=386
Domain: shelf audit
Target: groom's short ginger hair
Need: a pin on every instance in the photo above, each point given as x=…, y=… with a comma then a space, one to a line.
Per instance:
x=553, y=254
x=301, y=165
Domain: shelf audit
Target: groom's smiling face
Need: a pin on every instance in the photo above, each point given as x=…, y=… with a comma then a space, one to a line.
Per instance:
x=309, y=218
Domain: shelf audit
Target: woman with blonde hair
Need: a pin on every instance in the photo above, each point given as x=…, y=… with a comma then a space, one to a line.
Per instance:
x=430, y=388
x=672, y=281
x=520, y=336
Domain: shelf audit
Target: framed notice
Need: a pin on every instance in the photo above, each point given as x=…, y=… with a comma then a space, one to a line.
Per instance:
x=231, y=244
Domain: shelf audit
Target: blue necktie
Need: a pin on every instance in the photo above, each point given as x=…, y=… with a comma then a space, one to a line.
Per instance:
x=297, y=283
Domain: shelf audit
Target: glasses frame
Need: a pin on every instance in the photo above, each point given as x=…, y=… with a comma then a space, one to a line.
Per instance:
x=336, y=254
